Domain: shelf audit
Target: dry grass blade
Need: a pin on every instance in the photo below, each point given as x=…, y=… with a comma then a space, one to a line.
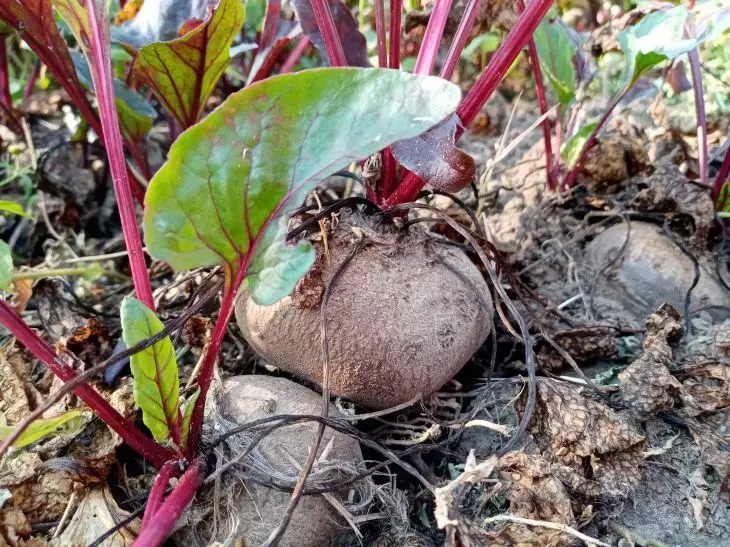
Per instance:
x=545, y=524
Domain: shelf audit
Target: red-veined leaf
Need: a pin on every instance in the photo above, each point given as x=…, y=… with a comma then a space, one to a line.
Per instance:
x=34, y=21
x=183, y=72
x=434, y=157
x=156, y=382
x=230, y=182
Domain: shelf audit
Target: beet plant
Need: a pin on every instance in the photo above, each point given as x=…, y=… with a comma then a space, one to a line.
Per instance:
x=662, y=35
x=409, y=310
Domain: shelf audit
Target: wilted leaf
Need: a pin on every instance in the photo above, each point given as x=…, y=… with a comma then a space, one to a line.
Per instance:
x=577, y=431
x=572, y=148
x=230, y=182
x=556, y=52
x=183, y=72
x=65, y=424
x=187, y=414
x=136, y=115
x=159, y=21
x=12, y=207
x=95, y=515
x=434, y=157
x=156, y=381
x=646, y=384
x=6, y=267
x=354, y=43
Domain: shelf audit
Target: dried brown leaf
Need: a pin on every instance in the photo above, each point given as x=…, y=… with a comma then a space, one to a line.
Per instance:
x=95, y=515
x=646, y=385
x=584, y=345
x=535, y=493
x=14, y=527
x=582, y=433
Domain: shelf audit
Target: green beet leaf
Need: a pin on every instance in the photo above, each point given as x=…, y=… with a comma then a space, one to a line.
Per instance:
x=182, y=73
x=136, y=115
x=68, y=423
x=556, y=52
x=230, y=182
x=156, y=382
x=12, y=207
x=187, y=414
x=572, y=148
x=6, y=267
x=657, y=37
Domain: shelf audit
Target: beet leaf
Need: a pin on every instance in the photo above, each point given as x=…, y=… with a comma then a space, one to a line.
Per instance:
x=225, y=193
x=182, y=73
x=6, y=267
x=34, y=21
x=354, y=44
x=186, y=408
x=156, y=381
x=556, y=52
x=67, y=423
x=571, y=150
x=434, y=157
x=136, y=115
x=159, y=21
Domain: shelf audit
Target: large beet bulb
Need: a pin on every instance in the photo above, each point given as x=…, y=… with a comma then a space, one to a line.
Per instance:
x=406, y=314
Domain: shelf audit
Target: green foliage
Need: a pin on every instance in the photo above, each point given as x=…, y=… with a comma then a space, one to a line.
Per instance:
x=156, y=382
x=136, y=115
x=255, y=13
x=572, y=148
x=483, y=44
x=556, y=52
x=6, y=267
x=230, y=182
x=12, y=207
x=651, y=41
x=187, y=413
x=182, y=73
x=68, y=423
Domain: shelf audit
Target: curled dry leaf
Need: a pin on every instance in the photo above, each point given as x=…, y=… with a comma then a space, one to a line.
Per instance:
x=712, y=435
x=705, y=388
x=96, y=514
x=535, y=493
x=584, y=345
x=646, y=384
x=435, y=158
x=41, y=495
x=586, y=435
x=14, y=527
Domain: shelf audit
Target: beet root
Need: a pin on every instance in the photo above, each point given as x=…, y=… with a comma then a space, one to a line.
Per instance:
x=249, y=511
x=650, y=271
x=406, y=314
